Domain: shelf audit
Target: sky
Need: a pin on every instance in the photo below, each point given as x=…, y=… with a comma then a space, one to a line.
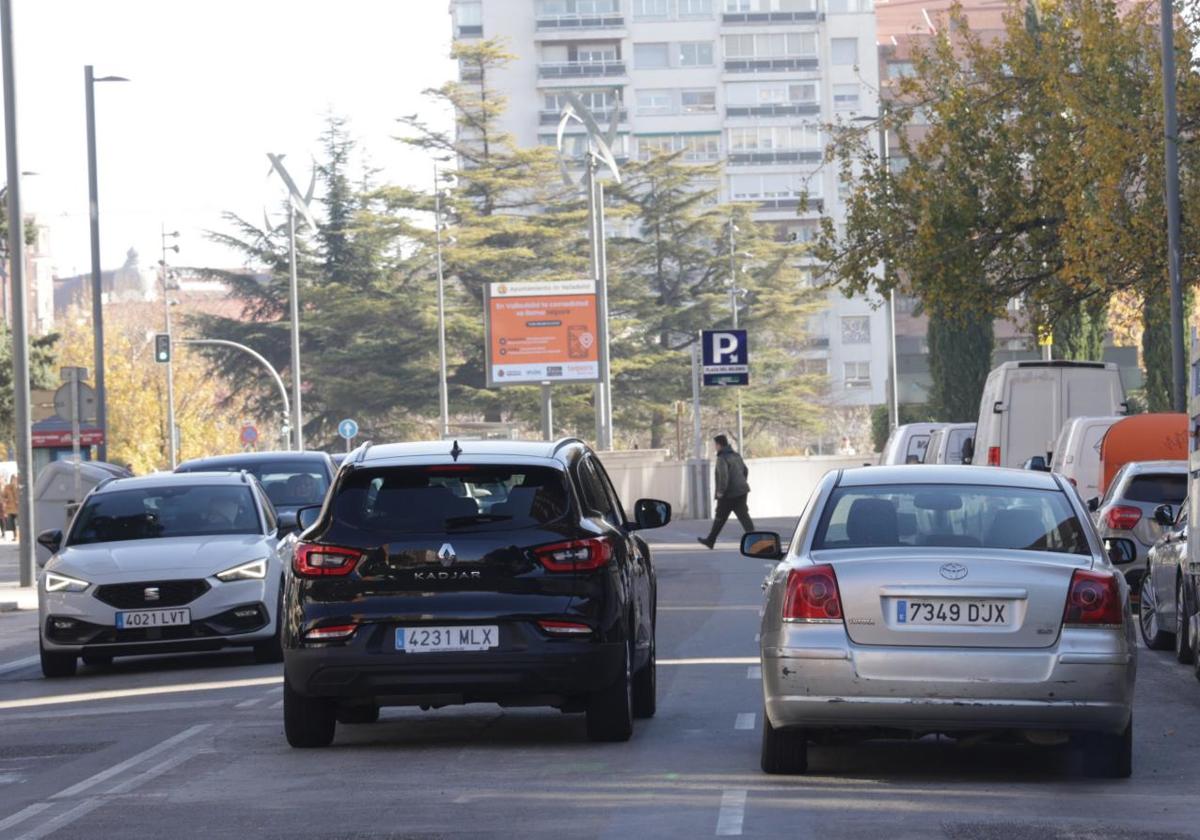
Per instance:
x=213, y=87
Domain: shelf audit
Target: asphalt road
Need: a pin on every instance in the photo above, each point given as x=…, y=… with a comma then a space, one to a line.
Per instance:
x=192, y=747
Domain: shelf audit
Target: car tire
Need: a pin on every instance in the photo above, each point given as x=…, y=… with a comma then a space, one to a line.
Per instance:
x=56, y=664
x=307, y=721
x=1183, y=620
x=645, y=687
x=1109, y=756
x=358, y=714
x=610, y=710
x=1152, y=634
x=784, y=751
x=101, y=660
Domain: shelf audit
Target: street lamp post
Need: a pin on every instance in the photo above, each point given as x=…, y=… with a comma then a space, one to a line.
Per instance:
x=733, y=303
x=89, y=84
x=1171, y=140
x=172, y=455
x=443, y=385
x=258, y=357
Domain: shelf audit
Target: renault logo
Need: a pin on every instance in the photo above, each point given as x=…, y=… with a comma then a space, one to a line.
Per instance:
x=446, y=554
x=150, y=593
x=953, y=571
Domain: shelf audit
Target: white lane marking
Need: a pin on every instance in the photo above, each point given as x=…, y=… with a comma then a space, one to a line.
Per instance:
x=253, y=701
x=745, y=720
x=22, y=815
x=754, y=672
x=732, y=813
x=117, y=694
x=712, y=660
x=137, y=709
x=278, y=705
x=758, y=637
x=145, y=755
x=708, y=607
x=157, y=770
x=65, y=818
x=18, y=664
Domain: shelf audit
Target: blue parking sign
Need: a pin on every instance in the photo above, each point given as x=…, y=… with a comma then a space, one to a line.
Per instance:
x=726, y=357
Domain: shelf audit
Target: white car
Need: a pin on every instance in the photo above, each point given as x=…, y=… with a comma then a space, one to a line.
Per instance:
x=163, y=564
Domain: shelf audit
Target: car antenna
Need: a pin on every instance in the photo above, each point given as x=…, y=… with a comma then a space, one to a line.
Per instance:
x=455, y=451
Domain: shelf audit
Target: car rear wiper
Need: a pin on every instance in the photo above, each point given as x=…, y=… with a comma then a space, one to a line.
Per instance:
x=475, y=518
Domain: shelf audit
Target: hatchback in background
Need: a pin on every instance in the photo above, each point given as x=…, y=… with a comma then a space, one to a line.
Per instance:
x=1125, y=517
x=292, y=480
x=488, y=572
x=163, y=564
x=921, y=600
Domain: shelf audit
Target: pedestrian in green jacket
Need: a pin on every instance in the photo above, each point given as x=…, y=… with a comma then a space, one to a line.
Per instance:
x=732, y=491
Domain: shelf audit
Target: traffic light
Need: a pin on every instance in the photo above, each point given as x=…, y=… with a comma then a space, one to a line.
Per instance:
x=162, y=348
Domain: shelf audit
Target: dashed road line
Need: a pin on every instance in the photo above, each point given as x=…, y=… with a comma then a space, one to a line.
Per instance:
x=732, y=813
x=754, y=672
x=19, y=664
x=117, y=694
x=145, y=755
x=60, y=820
x=22, y=815
x=744, y=720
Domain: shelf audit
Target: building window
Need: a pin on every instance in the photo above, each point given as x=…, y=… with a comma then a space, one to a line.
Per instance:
x=649, y=146
x=814, y=366
x=701, y=147
x=650, y=56
x=900, y=70
x=771, y=93
x=845, y=188
x=651, y=102
x=844, y=51
x=771, y=186
x=596, y=101
x=804, y=233
x=651, y=8
x=774, y=45
x=698, y=101
x=856, y=329
x=592, y=53
x=737, y=5
x=696, y=54
x=695, y=8
x=845, y=97
x=766, y=138
x=857, y=374
x=468, y=14
x=553, y=8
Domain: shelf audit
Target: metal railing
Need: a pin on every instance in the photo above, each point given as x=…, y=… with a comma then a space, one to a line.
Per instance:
x=580, y=69
x=602, y=116
x=595, y=20
x=470, y=31
x=792, y=109
x=766, y=158
x=815, y=205
x=769, y=65
x=759, y=18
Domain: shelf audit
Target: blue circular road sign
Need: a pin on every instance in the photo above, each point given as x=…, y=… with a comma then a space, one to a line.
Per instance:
x=348, y=429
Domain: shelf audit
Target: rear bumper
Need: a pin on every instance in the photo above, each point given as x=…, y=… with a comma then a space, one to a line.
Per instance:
x=543, y=672
x=1084, y=683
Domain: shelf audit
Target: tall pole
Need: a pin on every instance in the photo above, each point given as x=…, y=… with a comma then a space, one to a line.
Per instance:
x=733, y=304
x=20, y=323
x=547, y=412
x=594, y=239
x=885, y=159
x=97, y=282
x=297, y=414
x=1171, y=137
x=172, y=455
x=443, y=385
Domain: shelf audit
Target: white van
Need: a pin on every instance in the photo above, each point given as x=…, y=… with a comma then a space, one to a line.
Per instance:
x=946, y=443
x=1076, y=453
x=907, y=444
x=1025, y=405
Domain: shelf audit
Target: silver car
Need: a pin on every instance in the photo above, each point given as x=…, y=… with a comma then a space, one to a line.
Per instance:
x=160, y=564
x=945, y=599
x=1126, y=516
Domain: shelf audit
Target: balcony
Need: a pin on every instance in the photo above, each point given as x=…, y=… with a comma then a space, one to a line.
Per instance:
x=580, y=69
x=796, y=109
x=602, y=117
x=577, y=22
x=774, y=156
x=469, y=31
x=761, y=18
x=769, y=65
x=816, y=342
x=815, y=205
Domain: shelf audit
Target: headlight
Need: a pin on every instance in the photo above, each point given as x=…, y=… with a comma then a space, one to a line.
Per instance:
x=61, y=583
x=254, y=570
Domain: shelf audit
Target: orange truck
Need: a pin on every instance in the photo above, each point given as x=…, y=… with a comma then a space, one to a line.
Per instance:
x=1142, y=437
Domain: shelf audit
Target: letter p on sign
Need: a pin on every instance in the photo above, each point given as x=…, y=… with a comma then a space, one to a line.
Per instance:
x=726, y=357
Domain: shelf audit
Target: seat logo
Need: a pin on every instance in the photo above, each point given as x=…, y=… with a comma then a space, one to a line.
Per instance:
x=446, y=554
x=953, y=571
x=150, y=593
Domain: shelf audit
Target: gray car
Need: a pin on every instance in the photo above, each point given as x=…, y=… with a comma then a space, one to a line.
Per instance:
x=1163, y=605
x=1125, y=516
x=162, y=564
x=961, y=600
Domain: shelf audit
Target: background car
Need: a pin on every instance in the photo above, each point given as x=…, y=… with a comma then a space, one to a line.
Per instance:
x=918, y=600
x=1125, y=517
x=1162, y=608
x=908, y=443
x=495, y=571
x=1076, y=454
x=947, y=442
x=292, y=480
x=159, y=564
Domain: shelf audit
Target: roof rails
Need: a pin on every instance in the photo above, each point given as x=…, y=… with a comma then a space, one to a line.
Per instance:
x=245, y=476
x=567, y=441
x=359, y=454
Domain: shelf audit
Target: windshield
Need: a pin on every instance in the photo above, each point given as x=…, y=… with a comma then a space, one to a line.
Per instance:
x=161, y=512
x=287, y=483
x=451, y=498
x=961, y=515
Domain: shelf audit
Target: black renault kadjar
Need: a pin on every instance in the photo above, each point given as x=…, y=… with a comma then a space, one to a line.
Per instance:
x=488, y=571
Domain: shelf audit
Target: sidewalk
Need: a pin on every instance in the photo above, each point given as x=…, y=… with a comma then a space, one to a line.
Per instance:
x=13, y=596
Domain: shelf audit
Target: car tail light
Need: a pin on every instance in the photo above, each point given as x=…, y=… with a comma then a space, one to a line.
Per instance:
x=565, y=628
x=1122, y=518
x=993, y=456
x=312, y=560
x=575, y=555
x=812, y=595
x=1094, y=599
x=331, y=632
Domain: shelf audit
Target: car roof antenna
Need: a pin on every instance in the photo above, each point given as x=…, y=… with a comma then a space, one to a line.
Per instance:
x=455, y=451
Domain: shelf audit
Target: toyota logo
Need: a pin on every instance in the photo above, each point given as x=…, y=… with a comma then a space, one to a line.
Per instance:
x=446, y=554
x=953, y=571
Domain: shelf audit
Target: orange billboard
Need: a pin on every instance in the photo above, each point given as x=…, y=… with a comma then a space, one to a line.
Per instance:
x=542, y=332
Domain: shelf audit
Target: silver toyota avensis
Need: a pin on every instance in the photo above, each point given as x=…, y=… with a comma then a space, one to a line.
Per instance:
x=160, y=564
x=961, y=600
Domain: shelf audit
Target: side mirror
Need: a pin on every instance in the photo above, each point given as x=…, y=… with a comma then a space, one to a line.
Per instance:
x=1120, y=551
x=762, y=544
x=306, y=517
x=651, y=513
x=1093, y=504
x=1164, y=515
x=1036, y=463
x=287, y=522
x=51, y=540
x=968, y=450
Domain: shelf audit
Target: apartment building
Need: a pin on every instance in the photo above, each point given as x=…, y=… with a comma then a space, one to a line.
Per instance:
x=750, y=83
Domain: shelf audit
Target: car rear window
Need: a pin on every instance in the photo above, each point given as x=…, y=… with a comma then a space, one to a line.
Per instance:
x=1162, y=488
x=957, y=515
x=458, y=497
x=161, y=512
x=288, y=483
